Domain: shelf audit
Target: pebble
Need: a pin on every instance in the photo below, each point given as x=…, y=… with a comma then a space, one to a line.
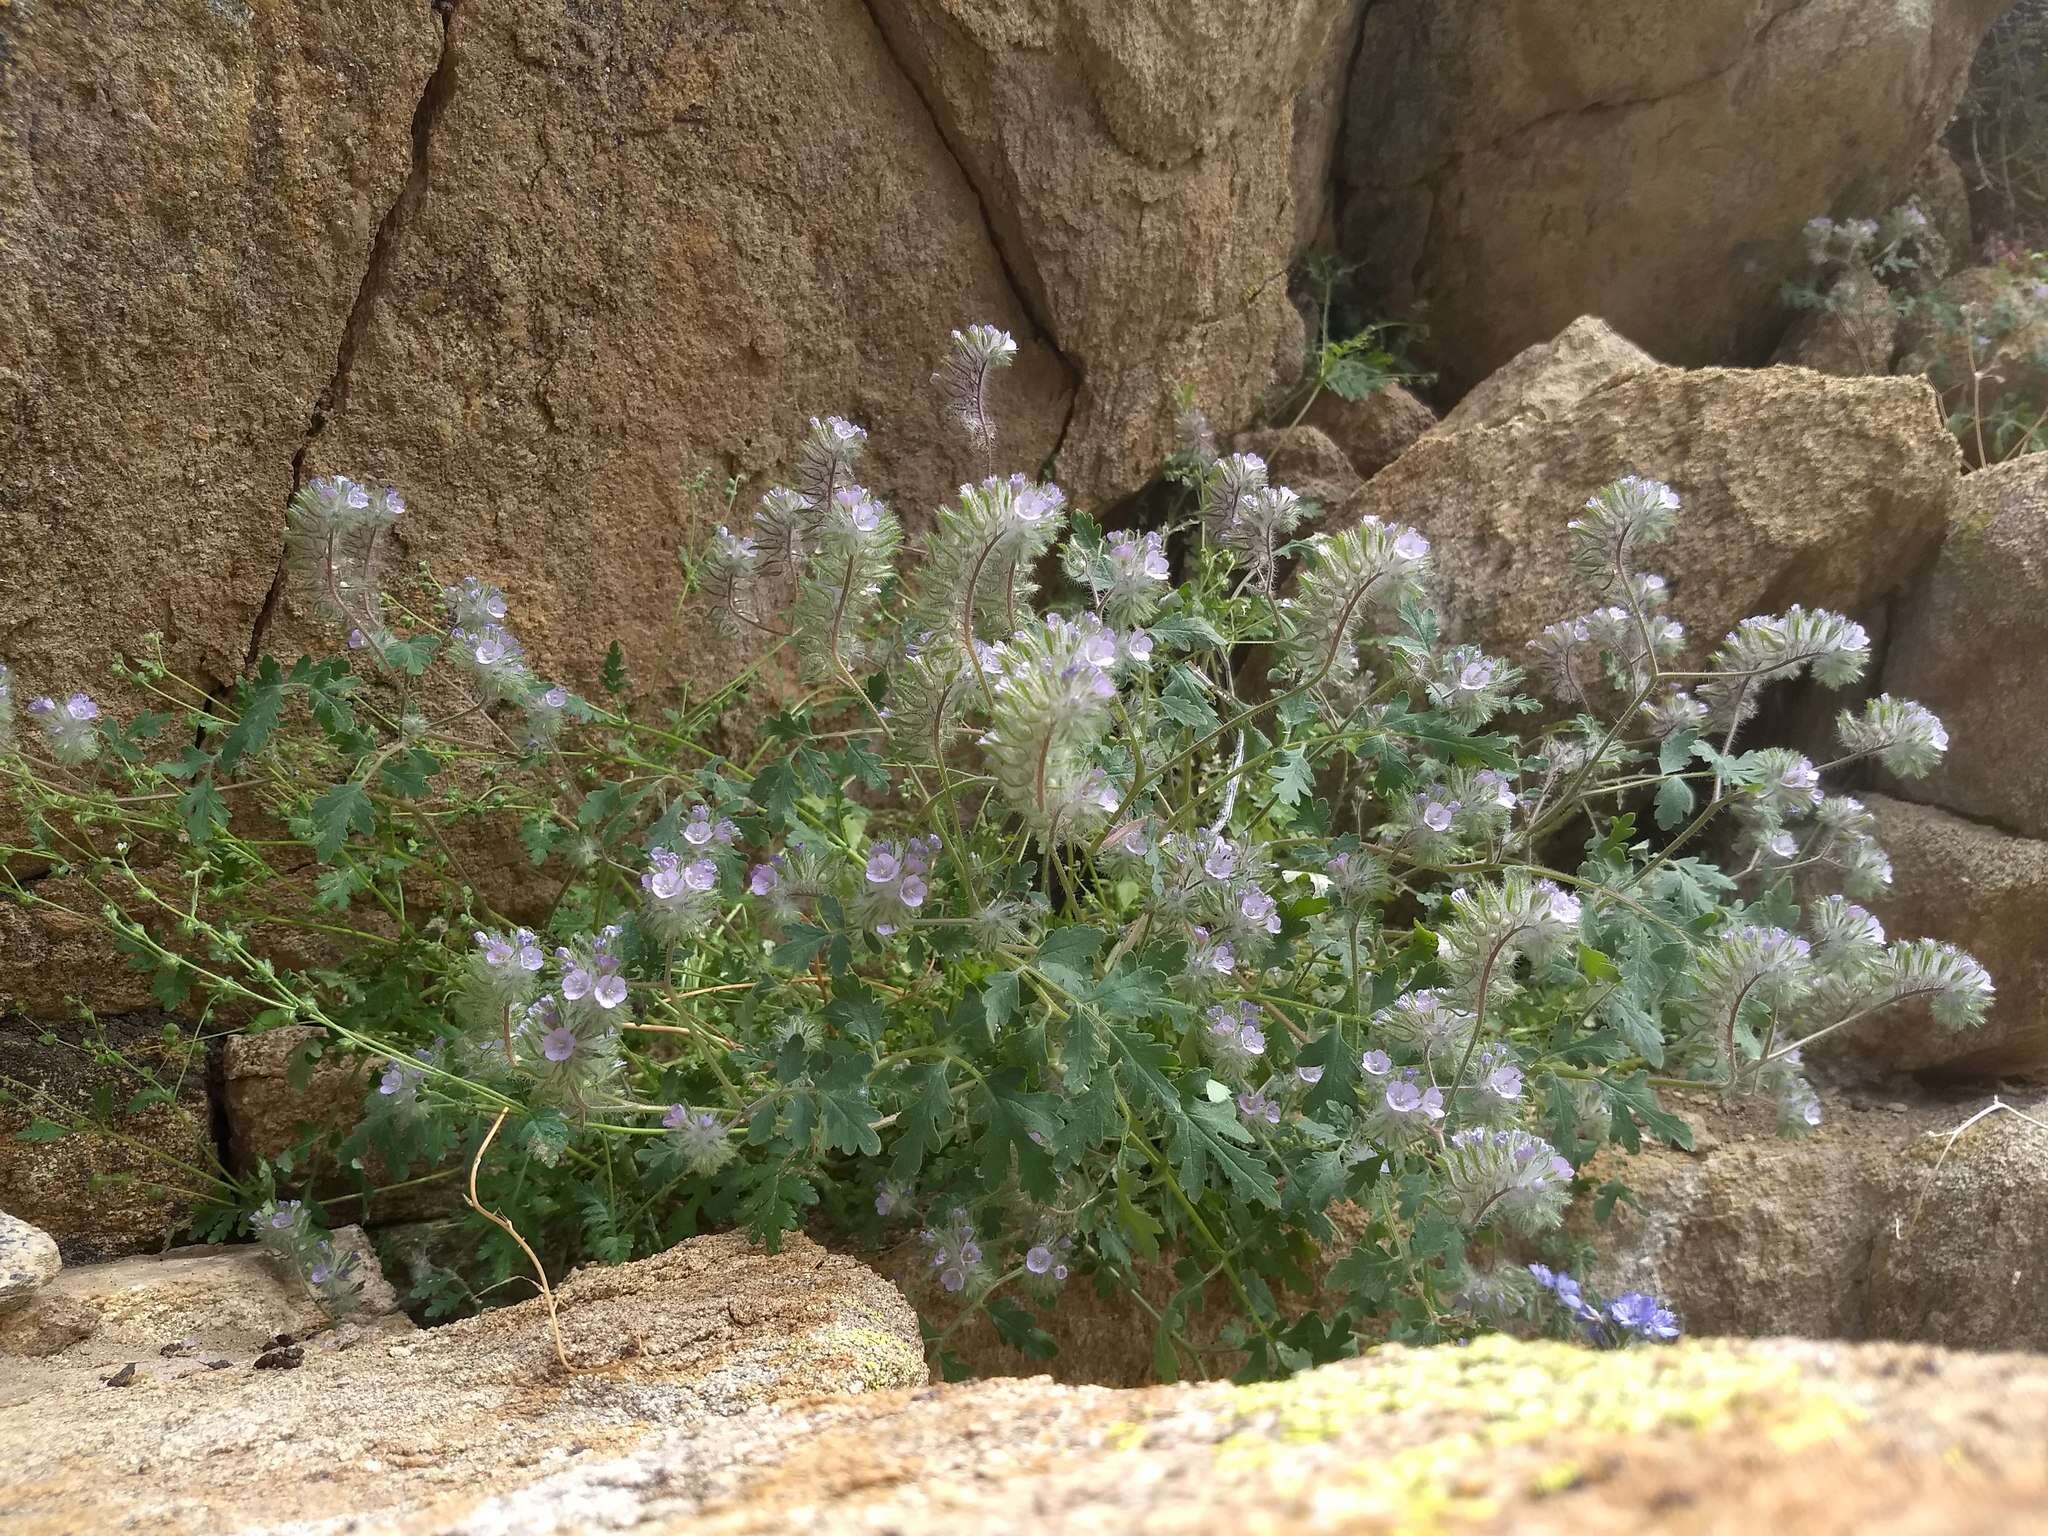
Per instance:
x=28, y=1261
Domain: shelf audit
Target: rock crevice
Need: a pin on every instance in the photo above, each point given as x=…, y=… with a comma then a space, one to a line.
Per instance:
x=434, y=97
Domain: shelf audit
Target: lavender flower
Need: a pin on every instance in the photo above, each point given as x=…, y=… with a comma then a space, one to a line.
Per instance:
x=493, y=659
x=70, y=728
x=702, y=1139
x=502, y=974
x=1644, y=1316
x=1630, y=1317
x=400, y=1081
x=955, y=1251
x=1235, y=1037
x=680, y=897
x=1258, y=1106
x=701, y=830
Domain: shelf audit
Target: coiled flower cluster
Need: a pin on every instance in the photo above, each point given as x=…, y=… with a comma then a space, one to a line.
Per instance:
x=1053, y=688
x=1508, y=1176
x=1252, y=519
x=333, y=542
x=1350, y=583
x=966, y=376
x=1126, y=574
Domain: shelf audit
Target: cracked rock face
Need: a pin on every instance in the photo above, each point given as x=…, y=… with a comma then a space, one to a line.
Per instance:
x=1145, y=167
x=558, y=271
x=641, y=246
x=188, y=191
x=1646, y=162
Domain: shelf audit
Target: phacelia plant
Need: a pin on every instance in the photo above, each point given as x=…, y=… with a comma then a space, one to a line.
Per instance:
x=1137, y=923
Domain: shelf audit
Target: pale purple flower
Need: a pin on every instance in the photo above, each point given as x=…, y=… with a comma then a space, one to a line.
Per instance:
x=861, y=509
x=1260, y=910
x=559, y=1044
x=1255, y=1105
x=1644, y=1316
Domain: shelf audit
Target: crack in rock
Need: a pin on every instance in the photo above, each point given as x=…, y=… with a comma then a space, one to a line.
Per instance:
x=1018, y=290
x=434, y=98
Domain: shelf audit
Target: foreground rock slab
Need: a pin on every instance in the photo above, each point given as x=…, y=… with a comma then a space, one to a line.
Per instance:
x=170, y=1314
x=1499, y=1436
x=721, y=1389
x=360, y=1423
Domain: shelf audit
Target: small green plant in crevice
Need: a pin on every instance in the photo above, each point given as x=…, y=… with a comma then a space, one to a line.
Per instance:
x=1347, y=356
x=1030, y=924
x=1988, y=356
x=2000, y=131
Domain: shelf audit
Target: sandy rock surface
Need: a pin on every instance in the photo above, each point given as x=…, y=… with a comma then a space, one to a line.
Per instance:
x=367, y=1421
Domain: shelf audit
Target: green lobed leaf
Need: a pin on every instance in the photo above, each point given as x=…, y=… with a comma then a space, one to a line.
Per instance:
x=202, y=811
x=343, y=809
